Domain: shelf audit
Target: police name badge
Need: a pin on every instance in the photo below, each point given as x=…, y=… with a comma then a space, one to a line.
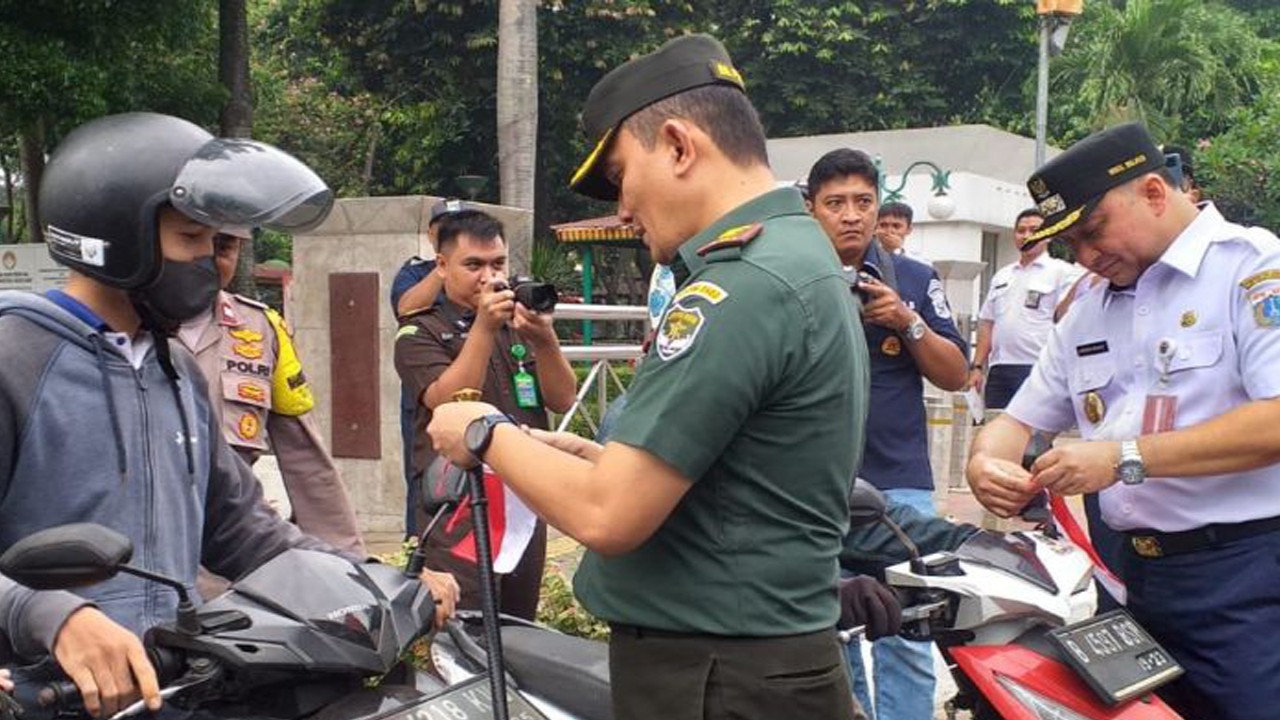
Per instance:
x=680, y=328
x=1033, y=300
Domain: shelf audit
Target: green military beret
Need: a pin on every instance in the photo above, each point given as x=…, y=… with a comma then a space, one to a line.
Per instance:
x=681, y=64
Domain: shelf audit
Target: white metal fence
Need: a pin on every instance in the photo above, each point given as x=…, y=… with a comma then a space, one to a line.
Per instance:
x=602, y=379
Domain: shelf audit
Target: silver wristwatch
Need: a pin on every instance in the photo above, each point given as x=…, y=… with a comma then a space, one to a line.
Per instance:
x=1130, y=470
x=916, y=329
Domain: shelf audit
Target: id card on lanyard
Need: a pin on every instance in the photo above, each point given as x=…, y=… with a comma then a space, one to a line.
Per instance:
x=524, y=383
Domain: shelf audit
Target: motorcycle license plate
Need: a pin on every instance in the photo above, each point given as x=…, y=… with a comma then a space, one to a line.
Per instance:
x=1115, y=656
x=468, y=700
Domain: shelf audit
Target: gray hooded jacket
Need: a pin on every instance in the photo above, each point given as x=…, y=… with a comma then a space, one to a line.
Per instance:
x=84, y=437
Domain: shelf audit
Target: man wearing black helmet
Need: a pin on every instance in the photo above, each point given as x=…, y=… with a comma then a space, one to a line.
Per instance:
x=101, y=420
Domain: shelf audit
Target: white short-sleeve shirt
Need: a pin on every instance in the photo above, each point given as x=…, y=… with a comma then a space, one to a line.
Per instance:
x=1203, y=325
x=1020, y=305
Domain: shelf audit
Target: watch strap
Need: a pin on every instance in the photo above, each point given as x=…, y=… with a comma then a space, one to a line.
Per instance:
x=489, y=422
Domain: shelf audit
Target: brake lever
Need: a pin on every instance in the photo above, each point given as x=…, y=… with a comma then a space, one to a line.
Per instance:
x=179, y=685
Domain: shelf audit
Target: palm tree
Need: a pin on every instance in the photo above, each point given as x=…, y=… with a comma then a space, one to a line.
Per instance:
x=1169, y=63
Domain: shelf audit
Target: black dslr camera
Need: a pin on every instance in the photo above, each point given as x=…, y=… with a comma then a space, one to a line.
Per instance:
x=539, y=297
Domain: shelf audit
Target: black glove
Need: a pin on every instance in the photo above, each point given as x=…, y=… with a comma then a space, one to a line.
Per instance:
x=863, y=601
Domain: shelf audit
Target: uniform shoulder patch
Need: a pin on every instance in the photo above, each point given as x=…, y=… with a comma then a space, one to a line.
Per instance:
x=406, y=331
x=938, y=296
x=1260, y=277
x=708, y=291
x=679, y=329
x=250, y=302
x=734, y=237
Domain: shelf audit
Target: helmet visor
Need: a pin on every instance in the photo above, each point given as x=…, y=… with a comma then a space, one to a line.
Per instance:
x=247, y=183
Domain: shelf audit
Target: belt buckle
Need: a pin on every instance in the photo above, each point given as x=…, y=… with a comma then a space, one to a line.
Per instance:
x=1146, y=546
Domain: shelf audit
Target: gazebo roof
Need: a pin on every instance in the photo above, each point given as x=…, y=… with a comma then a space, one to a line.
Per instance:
x=606, y=230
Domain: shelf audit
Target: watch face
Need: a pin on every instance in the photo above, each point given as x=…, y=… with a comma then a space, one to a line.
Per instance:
x=475, y=436
x=915, y=330
x=1131, y=472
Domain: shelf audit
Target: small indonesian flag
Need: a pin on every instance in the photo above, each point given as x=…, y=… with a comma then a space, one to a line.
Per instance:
x=1103, y=574
x=511, y=525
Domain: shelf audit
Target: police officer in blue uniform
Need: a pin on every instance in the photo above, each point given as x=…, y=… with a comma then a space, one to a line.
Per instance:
x=911, y=335
x=1169, y=371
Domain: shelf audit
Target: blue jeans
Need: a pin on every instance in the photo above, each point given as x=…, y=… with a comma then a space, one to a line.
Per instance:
x=412, y=490
x=903, y=668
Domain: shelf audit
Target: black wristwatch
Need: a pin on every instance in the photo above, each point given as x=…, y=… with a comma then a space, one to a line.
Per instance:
x=479, y=433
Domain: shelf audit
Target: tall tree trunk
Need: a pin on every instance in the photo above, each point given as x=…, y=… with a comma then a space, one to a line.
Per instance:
x=237, y=114
x=517, y=100
x=31, y=150
x=6, y=235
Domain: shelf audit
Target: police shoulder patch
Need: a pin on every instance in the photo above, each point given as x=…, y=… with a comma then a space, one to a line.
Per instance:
x=680, y=327
x=939, y=298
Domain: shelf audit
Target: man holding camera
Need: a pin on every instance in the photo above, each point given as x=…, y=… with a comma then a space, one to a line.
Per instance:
x=481, y=338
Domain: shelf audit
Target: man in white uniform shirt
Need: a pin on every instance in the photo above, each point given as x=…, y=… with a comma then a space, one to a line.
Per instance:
x=1168, y=368
x=1016, y=317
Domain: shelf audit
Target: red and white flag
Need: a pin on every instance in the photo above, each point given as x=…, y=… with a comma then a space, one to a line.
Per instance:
x=511, y=525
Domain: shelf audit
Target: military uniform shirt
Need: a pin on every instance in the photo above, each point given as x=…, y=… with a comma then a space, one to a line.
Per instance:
x=1020, y=305
x=755, y=390
x=897, y=454
x=1202, y=324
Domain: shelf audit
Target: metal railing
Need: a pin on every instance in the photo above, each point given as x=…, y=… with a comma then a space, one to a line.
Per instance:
x=602, y=378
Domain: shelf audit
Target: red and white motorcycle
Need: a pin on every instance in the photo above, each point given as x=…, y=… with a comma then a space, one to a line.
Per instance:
x=1010, y=614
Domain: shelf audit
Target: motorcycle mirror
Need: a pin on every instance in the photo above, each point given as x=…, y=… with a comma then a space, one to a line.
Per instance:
x=866, y=503
x=66, y=557
x=442, y=484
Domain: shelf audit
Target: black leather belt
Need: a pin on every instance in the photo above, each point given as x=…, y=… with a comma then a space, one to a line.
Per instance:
x=1152, y=544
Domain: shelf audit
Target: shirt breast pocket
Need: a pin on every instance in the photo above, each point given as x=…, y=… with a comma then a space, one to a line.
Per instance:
x=1093, y=389
x=1194, y=351
x=1038, y=296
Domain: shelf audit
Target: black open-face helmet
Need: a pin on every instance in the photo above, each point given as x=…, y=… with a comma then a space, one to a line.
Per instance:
x=108, y=179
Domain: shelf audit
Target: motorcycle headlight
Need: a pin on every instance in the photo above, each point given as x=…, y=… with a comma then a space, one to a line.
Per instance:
x=1043, y=707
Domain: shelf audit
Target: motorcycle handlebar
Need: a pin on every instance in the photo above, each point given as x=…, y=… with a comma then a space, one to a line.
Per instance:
x=64, y=696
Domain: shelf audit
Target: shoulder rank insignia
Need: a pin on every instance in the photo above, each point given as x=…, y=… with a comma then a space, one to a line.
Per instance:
x=249, y=301
x=734, y=237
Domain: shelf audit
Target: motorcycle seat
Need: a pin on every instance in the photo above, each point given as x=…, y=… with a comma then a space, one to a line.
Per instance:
x=569, y=672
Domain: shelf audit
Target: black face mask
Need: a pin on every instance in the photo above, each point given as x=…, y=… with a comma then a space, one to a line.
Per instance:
x=183, y=291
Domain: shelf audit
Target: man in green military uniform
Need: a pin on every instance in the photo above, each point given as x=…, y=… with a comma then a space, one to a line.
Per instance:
x=714, y=515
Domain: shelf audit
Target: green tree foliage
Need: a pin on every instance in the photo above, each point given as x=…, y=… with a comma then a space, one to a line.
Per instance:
x=1240, y=169
x=63, y=62
x=1180, y=66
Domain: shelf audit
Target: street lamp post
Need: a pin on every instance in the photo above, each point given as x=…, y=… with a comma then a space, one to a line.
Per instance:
x=940, y=206
x=1055, y=20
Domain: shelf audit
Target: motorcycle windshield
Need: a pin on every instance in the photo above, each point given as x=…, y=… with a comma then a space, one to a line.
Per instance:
x=1010, y=553
x=244, y=183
